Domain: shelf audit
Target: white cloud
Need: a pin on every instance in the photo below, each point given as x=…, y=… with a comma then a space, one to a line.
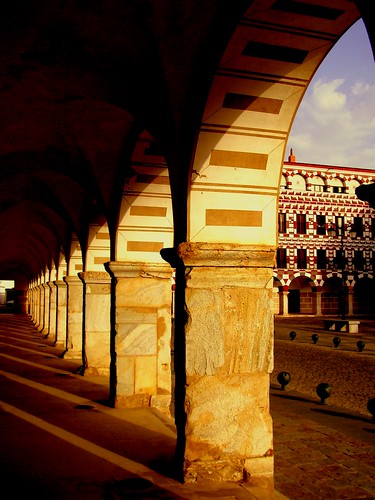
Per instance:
x=360, y=88
x=326, y=95
x=335, y=125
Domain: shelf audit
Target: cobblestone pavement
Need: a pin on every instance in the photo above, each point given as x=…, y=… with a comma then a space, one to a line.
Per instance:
x=325, y=451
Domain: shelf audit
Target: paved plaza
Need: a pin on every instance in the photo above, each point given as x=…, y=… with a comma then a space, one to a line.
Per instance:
x=61, y=441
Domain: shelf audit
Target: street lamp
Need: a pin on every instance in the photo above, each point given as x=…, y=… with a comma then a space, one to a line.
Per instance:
x=340, y=231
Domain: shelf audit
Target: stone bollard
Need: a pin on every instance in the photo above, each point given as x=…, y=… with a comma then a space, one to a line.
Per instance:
x=283, y=378
x=361, y=345
x=292, y=335
x=323, y=390
x=336, y=341
x=315, y=337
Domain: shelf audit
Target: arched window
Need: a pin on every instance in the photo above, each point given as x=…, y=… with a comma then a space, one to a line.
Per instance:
x=317, y=184
x=298, y=183
x=337, y=185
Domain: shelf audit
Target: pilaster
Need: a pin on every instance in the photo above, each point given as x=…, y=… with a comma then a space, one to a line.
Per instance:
x=143, y=334
x=52, y=311
x=229, y=358
x=46, y=311
x=97, y=325
x=61, y=314
x=74, y=339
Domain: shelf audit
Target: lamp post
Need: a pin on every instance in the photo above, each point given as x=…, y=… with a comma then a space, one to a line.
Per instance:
x=339, y=231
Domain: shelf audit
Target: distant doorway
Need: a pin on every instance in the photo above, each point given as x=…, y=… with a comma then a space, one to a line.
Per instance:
x=294, y=302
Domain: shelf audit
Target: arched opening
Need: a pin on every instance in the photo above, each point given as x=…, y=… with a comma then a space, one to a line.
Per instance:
x=302, y=296
x=8, y=296
x=364, y=296
x=331, y=296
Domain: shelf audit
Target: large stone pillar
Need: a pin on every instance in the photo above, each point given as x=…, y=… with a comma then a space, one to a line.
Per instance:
x=61, y=314
x=97, y=325
x=52, y=311
x=37, y=307
x=143, y=334
x=46, y=310
x=32, y=303
x=40, y=319
x=74, y=335
x=229, y=358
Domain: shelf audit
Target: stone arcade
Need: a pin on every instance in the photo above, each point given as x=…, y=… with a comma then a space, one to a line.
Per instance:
x=130, y=128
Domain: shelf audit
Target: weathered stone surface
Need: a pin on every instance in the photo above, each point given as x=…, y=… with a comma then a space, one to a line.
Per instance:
x=216, y=470
x=228, y=417
x=228, y=330
x=226, y=255
x=229, y=356
x=143, y=331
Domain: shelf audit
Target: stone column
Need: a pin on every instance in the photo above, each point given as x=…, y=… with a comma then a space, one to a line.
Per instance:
x=36, y=306
x=74, y=317
x=97, y=325
x=46, y=310
x=143, y=334
x=40, y=319
x=52, y=310
x=229, y=358
x=350, y=300
x=61, y=314
x=32, y=303
x=284, y=300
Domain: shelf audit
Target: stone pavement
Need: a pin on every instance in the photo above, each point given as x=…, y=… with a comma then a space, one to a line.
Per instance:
x=61, y=441
x=323, y=451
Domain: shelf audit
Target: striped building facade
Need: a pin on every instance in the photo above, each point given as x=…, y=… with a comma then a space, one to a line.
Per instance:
x=313, y=267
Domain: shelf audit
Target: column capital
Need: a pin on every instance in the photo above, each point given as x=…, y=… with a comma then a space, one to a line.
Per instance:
x=72, y=280
x=119, y=269
x=226, y=255
x=99, y=277
x=60, y=283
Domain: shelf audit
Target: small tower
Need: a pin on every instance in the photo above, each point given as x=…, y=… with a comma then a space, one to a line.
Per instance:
x=291, y=157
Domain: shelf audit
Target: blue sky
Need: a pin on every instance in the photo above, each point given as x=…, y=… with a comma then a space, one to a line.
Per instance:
x=335, y=124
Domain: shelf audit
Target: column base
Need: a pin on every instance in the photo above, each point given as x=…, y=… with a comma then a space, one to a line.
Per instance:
x=133, y=401
x=69, y=354
x=215, y=470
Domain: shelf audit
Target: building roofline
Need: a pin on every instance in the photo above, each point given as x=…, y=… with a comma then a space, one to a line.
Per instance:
x=295, y=164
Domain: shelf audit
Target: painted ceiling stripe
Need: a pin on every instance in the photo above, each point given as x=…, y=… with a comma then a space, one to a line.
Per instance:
x=275, y=52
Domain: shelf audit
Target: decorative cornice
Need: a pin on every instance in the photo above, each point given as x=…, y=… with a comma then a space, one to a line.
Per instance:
x=138, y=269
x=226, y=255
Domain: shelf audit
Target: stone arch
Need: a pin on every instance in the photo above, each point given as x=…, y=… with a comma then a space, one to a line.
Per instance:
x=98, y=246
x=251, y=104
x=146, y=220
x=302, y=295
x=284, y=181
